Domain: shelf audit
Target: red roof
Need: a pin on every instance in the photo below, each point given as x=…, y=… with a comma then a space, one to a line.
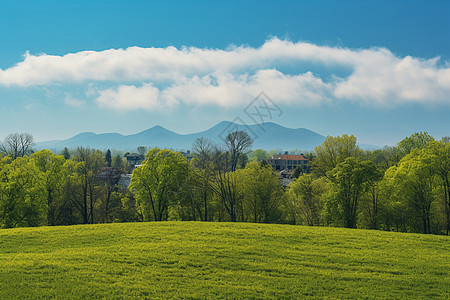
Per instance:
x=289, y=157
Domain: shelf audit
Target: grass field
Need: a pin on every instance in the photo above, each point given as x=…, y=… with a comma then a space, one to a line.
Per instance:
x=220, y=260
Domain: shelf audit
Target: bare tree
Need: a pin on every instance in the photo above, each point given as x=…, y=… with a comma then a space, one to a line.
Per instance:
x=142, y=150
x=237, y=143
x=203, y=149
x=83, y=188
x=17, y=145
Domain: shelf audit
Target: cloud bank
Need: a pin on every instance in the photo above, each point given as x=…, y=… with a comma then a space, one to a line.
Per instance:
x=154, y=78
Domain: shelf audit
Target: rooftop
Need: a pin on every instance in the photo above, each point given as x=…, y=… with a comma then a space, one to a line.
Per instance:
x=289, y=157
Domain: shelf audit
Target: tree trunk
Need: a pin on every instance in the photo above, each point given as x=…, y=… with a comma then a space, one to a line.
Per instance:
x=85, y=208
x=108, y=197
x=205, y=203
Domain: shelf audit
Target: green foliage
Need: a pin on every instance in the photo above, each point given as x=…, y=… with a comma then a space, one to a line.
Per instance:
x=22, y=193
x=306, y=199
x=414, y=184
x=158, y=182
x=352, y=178
x=108, y=158
x=261, y=193
x=437, y=157
x=199, y=260
x=297, y=172
x=51, y=169
x=219, y=185
x=417, y=140
x=65, y=153
x=119, y=163
x=258, y=155
x=82, y=187
x=386, y=157
x=333, y=151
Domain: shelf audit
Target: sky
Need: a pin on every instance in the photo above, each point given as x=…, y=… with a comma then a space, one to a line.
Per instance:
x=377, y=69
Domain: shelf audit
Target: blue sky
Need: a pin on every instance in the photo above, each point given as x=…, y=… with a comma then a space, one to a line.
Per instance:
x=376, y=69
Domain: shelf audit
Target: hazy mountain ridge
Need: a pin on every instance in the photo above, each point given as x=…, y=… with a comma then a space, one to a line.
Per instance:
x=266, y=136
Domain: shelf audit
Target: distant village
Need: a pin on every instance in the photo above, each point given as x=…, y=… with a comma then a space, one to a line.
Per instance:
x=284, y=164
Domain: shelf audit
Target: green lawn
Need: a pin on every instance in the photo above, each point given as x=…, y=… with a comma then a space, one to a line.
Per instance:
x=220, y=260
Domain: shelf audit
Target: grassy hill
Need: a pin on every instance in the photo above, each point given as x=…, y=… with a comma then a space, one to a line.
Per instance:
x=220, y=260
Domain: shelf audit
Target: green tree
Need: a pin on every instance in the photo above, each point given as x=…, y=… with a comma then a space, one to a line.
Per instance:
x=158, y=182
x=108, y=158
x=261, y=192
x=352, y=178
x=297, y=172
x=258, y=155
x=386, y=157
x=22, y=193
x=413, y=182
x=119, y=163
x=83, y=187
x=417, y=140
x=305, y=195
x=65, y=153
x=333, y=151
x=51, y=168
x=437, y=156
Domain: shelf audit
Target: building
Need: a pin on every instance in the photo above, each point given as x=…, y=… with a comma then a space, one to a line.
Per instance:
x=288, y=162
x=134, y=159
x=285, y=177
x=187, y=155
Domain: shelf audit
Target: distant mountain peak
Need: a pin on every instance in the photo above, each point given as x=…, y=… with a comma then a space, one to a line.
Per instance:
x=268, y=136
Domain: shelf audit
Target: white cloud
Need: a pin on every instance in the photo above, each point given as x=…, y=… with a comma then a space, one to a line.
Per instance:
x=70, y=101
x=131, y=98
x=227, y=90
x=233, y=76
x=224, y=90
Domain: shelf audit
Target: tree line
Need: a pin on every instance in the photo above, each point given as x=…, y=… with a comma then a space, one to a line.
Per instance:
x=402, y=188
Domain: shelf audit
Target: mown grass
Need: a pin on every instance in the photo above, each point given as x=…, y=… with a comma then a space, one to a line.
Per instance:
x=220, y=260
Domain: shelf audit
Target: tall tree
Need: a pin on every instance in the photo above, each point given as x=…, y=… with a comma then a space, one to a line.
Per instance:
x=333, y=151
x=17, y=145
x=237, y=143
x=413, y=182
x=51, y=168
x=109, y=177
x=158, y=182
x=437, y=156
x=22, y=193
x=305, y=193
x=108, y=158
x=224, y=184
x=261, y=192
x=417, y=140
x=65, y=153
x=204, y=151
x=352, y=178
x=119, y=163
x=84, y=181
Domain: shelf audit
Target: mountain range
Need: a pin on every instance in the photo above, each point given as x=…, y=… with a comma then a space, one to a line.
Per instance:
x=266, y=136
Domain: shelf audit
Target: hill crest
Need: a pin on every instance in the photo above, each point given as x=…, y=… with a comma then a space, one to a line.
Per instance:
x=266, y=136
